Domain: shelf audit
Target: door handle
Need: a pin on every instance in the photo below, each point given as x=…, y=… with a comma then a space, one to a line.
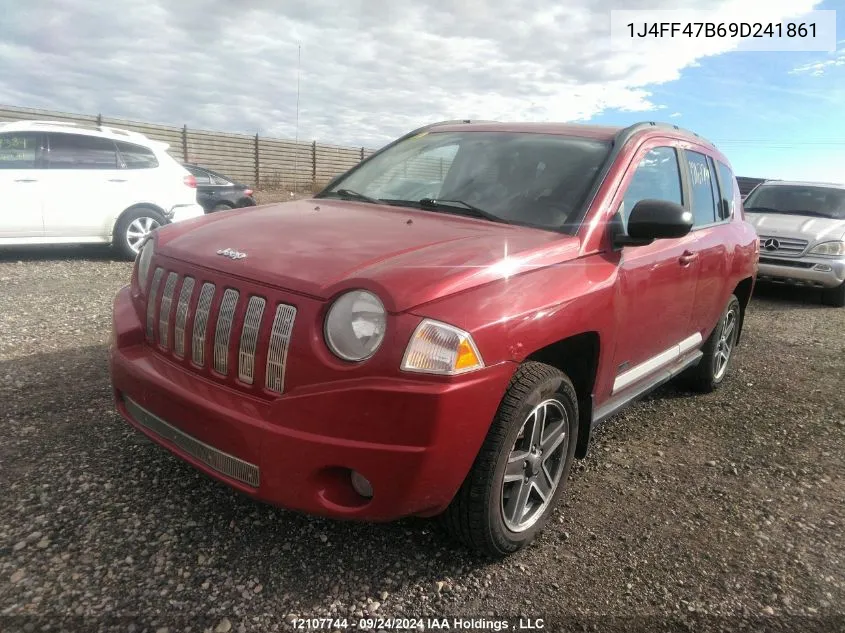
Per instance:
x=687, y=258
x=26, y=180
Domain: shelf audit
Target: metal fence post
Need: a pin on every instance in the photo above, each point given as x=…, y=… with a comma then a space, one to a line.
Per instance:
x=185, y=143
x=99, y=120
x=314, y=166
x=362, y=153
x=257, y=171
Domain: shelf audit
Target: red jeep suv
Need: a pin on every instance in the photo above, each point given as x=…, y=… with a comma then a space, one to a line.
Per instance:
x=440, y=329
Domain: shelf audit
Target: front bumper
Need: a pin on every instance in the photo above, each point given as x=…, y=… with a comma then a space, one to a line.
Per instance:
x=435, y=430
x=185, y=212
x=820, y=272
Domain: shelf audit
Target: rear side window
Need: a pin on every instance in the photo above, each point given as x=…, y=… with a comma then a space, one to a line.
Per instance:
x=218, y=180
x=18, y=150
x=729, y=187
x=657, y=177
x=702, y=193
x=76, y=151
x=136, y=156
x=201, y=175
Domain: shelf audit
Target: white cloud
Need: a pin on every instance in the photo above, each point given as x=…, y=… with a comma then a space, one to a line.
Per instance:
x=675, y=115
x=370, y=70
x=817, y=69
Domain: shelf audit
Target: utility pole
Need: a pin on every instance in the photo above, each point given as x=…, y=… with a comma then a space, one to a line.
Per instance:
x=296, y=139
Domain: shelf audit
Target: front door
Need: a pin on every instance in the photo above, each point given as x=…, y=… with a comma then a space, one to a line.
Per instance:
x=657, y=283
x=21, y=185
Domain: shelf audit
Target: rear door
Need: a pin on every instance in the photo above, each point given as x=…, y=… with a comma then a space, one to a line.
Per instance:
x=712, y=210
x=21, y=185
x=85, y=186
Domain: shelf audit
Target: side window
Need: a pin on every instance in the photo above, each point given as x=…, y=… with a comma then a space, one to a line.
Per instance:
x=657, y=177
x=729, y=188
x=703, y=197
x=200, y=174
x=217, y=180
x=76, y=151
x=136, y=156
x=18, y=150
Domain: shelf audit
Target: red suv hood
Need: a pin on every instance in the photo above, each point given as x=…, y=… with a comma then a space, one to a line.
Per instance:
x=320, y=247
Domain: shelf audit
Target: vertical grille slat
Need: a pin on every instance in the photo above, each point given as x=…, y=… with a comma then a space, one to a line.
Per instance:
x=223, y=331
x=249, y=339
x=164, y=313
x=278, y=349
x=182, y=316
x=151, y=302
x=201, y=323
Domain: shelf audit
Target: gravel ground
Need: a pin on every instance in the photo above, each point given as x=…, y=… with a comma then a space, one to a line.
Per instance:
x=721, y=512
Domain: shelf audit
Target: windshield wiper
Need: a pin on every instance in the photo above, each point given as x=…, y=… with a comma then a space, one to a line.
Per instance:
x=763, y=209
x=465, y=207
x=354, y=195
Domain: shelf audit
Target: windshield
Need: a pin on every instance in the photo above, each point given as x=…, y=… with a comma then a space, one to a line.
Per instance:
x=538, y=180
x=825, y=202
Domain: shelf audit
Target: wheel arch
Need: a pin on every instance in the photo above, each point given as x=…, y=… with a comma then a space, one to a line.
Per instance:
x=578, y=357
x=743, y=292
x=135, y=207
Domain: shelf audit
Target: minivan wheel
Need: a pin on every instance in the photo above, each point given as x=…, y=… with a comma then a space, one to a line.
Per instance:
x=718, y=351
x=521, y=470
x=834, y=297
x=131, y=229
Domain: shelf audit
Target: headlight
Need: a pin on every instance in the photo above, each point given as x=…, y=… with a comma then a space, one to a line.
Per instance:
x=438, y=348
x=144, y=259
x=829, y=249
x=355, y=325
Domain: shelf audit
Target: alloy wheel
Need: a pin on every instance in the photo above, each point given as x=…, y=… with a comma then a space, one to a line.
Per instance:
x=535, y=465
x=725, y=345
x=138, y=229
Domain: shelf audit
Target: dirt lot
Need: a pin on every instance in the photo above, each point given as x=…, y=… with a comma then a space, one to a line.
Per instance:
x=722, y=512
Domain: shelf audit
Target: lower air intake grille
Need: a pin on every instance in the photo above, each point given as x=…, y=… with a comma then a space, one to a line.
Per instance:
x=222, y=462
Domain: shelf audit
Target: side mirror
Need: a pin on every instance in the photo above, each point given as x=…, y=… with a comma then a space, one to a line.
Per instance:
x=654, y=220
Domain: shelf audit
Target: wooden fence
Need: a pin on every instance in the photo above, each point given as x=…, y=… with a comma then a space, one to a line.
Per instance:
x=259, y=161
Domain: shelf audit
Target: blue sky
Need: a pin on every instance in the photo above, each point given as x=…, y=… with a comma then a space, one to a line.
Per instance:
x=770, y=120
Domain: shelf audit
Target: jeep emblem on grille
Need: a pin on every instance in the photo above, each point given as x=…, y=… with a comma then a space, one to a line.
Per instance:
x=231, y=254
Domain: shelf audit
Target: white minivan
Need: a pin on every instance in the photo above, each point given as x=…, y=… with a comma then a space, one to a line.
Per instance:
x=67, y=184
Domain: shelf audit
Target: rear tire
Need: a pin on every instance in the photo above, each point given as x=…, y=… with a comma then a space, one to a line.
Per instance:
x=512, y=489
x=222, y=206
x=834, y=297
x=131, y=228
x=718, y=351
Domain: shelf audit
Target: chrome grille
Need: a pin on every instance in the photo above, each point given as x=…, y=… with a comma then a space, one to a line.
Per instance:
x=182, y=316
x=164, y=312
x=201, y=323
x=785, y=246
x=224, y=330
x=151, y=302
x=249, y=339
x=224, y=463
x=278, y=348
x=206, y=327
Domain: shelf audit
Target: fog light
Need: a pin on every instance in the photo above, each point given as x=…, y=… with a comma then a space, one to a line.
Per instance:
x=823, y=268
x=362, y=485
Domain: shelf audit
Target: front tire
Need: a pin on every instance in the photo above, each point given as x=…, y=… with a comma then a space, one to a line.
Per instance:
x=522, y=467
x=834, y=297
x=131, y=229
x=718, y=351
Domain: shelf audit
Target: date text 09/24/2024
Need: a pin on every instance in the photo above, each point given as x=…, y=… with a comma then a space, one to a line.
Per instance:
x=419, y=624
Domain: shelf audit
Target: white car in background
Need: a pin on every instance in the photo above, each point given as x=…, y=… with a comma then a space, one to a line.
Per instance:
x=66, y=184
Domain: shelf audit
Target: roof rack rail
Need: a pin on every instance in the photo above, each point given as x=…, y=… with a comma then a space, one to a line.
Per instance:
x=626, y=133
